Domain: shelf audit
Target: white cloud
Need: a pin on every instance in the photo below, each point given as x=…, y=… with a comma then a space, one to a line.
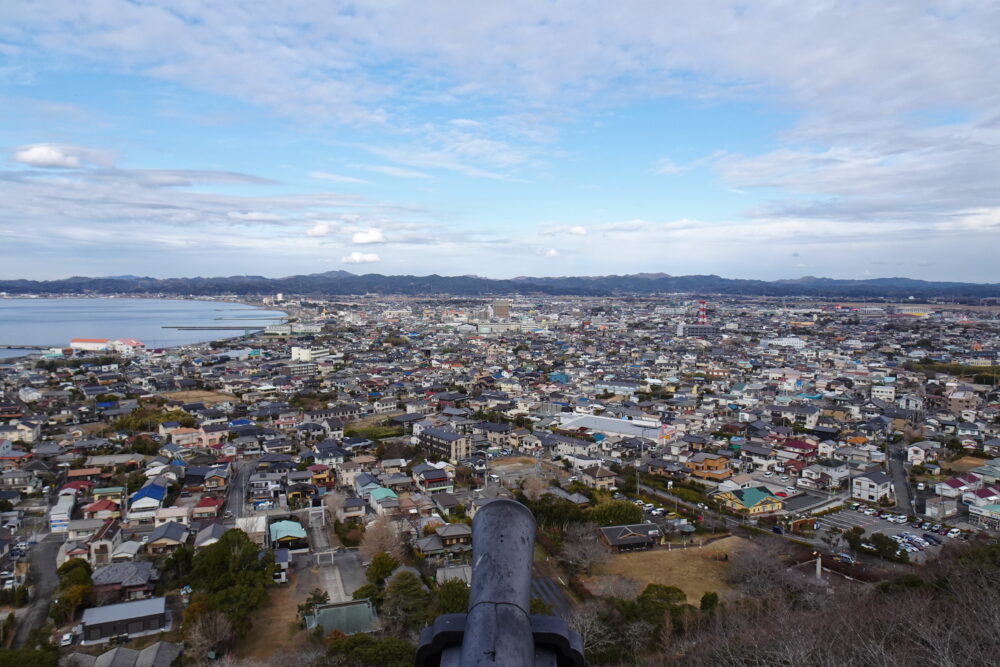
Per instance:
x=368, y=236
x=360, y=258
x=319, y=229
x=254, y=216
x=337, y=178
x=551, y=252
x=573, y=230
x=398, y=172
x=666, y=167
x=60, y=156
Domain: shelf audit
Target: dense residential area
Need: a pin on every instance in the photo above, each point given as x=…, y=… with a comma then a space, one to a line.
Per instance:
x=699, y=471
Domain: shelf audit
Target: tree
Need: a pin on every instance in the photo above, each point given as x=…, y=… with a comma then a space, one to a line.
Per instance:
x=333, y=501
x=406, y=602
x=533, y=487
x=709, y=602
x=381, y=566
x=451, y=597
x=854, y=536
x=582, y=547
x=366, y=651
x=382, y=536
x=588, y=621
x=228, y=577
x=370, y=592
x=316, y=598
x=205, y=633
x=615, y=513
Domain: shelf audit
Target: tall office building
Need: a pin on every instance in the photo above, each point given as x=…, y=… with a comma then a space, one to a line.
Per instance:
x=501, y=308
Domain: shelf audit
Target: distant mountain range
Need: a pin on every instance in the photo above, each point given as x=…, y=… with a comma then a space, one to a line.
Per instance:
x=345, y=283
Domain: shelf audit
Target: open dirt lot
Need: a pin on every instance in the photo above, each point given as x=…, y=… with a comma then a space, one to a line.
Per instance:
x=695, y=571
x=965, y=464
x=276, y=631
x=198, y=396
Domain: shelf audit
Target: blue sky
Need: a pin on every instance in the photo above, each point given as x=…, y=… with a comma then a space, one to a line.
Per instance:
x=770, y=140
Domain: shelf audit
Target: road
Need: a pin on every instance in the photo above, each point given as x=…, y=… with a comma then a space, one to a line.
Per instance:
x=901, y=485
x=43, y=573
x=236, y=500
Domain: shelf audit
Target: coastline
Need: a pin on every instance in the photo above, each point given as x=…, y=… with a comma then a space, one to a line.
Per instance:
x=36, y=354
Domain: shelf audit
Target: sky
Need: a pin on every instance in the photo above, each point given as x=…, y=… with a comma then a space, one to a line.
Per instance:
x=764, y=139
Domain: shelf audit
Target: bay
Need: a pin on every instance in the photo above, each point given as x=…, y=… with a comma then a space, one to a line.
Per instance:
x=55, y=321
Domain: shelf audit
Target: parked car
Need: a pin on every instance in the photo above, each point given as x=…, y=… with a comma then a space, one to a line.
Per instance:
x=778, y=529
x=769, y=473
x=845, y=558
x=67, y=639
x=954, y=532
x=932, y=538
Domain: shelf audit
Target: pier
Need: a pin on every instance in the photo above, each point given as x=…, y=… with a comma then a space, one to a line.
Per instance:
x=232, y=328
x=27, y=347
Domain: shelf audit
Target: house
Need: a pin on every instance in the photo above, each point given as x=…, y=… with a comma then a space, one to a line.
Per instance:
x=207, y=508
x=431, y=480
x=873, y=486
x=209, y=535
x=289, y=535
x=753, y=501
x=160, y=654
x=635, y=537
x=124, y=581
x=180, y=515
x=104, y=542
x=133, y=619
x=166, y=539
x=451, y=540
x=709, y=466
x=923, y=452
x=956, y=486
x=598, y=477
x=143, y=504
x=351, y=510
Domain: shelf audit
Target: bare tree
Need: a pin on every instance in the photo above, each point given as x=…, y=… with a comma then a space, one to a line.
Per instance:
x=582, y=547
x=635, y=637
x=381, y=535
x=533, y=487
x=206, y=632
x=588, y=620
x=333, y=501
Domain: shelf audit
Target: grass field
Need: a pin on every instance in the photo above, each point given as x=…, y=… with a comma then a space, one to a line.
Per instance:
x=695, y=571
x=199, y=396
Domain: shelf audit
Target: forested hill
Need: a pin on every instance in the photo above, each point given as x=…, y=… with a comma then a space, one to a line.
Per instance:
x=343, y=282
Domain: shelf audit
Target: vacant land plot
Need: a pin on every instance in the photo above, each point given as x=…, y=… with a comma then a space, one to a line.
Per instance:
x=276, y=631
x=199, y=396
x=695, y=571
x=965, y=464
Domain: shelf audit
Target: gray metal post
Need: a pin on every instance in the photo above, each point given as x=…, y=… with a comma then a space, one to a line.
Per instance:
x=498, y=630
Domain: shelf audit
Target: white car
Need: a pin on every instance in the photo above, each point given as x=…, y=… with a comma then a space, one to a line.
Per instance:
x=790, y=489
x=768, y=473
x=67, y=639
x=954, y=532
x=784, y=478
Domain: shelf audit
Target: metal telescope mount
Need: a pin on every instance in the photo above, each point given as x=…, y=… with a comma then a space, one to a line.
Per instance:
x=499, y=630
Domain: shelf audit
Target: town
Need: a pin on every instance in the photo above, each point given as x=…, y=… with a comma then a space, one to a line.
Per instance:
x=308, y=490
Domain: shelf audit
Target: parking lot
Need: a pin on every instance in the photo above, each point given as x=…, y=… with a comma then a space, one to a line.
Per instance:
x=848, y=518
